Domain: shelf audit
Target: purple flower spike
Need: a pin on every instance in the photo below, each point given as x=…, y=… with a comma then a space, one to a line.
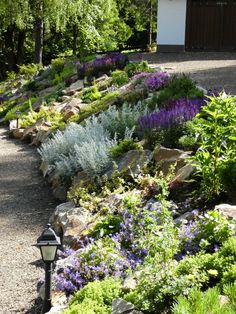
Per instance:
x=175, y=113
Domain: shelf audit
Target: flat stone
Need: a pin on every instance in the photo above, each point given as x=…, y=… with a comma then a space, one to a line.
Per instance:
x=227, y=210
x=184, y=172
x=81, y=178
x=44, y=167
x=131, y=162
x=113, y=202
x=42, y=135
x=185, y=218
x=120, y=306
x=33, y=128
x=165, y=157
x=70, y=113
x=37, y=104
x=76, y=86
x=47, y=91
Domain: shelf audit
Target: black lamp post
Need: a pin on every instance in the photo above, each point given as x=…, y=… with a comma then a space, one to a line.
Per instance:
x=48, y=244
x=18, y=113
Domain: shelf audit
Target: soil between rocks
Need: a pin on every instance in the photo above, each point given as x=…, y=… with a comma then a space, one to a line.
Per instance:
x=26, y=204
x=211, y=70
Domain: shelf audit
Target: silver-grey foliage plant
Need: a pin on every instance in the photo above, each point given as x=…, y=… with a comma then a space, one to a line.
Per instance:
x=87, y=147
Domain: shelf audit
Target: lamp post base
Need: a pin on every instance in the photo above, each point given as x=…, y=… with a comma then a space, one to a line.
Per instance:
x=47, y=298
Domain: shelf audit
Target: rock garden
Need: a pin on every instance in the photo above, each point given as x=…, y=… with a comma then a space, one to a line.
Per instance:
x=143, y=163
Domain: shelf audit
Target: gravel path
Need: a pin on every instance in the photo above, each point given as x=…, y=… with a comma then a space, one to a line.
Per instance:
x=25, y=206
x=214, y=70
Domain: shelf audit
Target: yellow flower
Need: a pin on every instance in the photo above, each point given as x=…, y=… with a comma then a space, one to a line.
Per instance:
x=190, y=277
x=212, y=272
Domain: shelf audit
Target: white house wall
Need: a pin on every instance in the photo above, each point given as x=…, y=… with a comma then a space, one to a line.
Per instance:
x=171, y=22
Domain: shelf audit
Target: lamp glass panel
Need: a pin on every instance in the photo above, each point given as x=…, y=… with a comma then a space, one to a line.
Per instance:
x=48, y=253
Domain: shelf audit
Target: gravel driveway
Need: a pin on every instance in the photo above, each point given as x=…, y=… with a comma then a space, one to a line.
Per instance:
x=211, y=70
x=25, y=206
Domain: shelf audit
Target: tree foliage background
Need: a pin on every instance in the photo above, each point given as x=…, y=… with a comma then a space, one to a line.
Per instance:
x=39, y=30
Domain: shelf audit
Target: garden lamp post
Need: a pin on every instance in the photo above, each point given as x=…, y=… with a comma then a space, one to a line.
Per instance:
x=48, y=244
x=18, y=113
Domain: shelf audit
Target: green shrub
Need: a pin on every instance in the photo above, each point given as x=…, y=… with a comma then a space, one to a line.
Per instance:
x=204, y=302
x=119, y=78
x=11, y=75
x=55, y=118
x=97, y=106
x=181, y=86
x=6, y=106
x=227, y=174
x=58, y=65
x=208, y=270
x=11, y=114
x=158, y=286
x=90, y=94
x=136, y=67
x=95, y=298
x=108, y=225
x=123, y=147
x=29, y=69
x=215, y=126
x=66, y=72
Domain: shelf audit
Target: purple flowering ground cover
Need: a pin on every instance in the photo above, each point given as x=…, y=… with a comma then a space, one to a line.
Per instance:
x=153, y=81
x=115, y=255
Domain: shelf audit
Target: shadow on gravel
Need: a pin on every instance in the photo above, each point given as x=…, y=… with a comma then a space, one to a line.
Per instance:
x=25, y=197
x=36, y=307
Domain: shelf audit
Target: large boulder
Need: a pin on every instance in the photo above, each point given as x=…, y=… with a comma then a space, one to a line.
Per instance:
x=70, y=221
x=131, y=162
x=165, y=157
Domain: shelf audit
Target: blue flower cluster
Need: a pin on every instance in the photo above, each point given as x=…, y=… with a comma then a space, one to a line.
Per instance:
x=112, y=255
x=174, y=113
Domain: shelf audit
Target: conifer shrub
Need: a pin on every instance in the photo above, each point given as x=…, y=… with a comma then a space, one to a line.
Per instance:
x=95, y=298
